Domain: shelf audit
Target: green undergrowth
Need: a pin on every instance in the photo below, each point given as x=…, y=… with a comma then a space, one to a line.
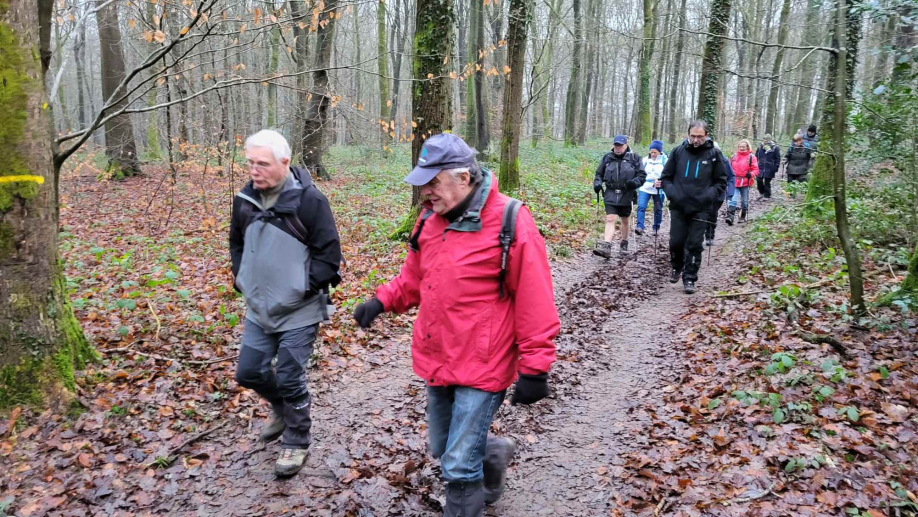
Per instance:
x=878, y=204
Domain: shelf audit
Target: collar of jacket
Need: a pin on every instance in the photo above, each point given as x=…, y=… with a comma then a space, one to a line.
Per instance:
x=470, y=221
x=289, y=199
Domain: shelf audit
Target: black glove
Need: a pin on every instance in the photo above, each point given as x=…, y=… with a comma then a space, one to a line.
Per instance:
x=367, y=312
x=597, y=188
x=530, y=389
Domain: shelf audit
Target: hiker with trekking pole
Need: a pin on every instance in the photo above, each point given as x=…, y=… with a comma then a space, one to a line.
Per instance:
x=478, y=269
x=694, y=177
x=745, y=167
x=714, y=213
x=621, y=173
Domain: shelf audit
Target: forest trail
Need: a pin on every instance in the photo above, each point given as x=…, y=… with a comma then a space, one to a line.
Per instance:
x=369, y=452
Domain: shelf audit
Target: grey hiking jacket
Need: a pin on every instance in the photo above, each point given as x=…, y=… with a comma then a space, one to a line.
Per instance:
x=285, y=258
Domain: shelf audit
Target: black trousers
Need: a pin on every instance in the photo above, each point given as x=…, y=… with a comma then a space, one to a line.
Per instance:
x=764, y=186
x=796, y=177
x=686, y=242
x=284, y=385
x=712, y=219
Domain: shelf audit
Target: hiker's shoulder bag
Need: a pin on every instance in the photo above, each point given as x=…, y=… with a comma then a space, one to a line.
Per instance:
x=505, y=237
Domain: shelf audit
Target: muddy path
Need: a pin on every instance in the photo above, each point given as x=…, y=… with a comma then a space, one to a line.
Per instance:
x=369, y=453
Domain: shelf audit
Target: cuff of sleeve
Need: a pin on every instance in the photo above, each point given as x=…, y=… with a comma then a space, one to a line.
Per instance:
x=383, y=299
x=529, y=371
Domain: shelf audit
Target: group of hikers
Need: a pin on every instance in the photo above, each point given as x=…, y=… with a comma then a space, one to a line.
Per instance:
x=697, y=179
x=477, y=269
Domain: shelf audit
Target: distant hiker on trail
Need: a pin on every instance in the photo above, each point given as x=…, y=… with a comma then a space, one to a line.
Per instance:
x=810, y=139
x=652, y=188
x=621, y=172
x=479, y=324
x=769, y=156
x=745, y=167
x=711, y=226
x=797, y=160
x=285, y=253
x=694, y=177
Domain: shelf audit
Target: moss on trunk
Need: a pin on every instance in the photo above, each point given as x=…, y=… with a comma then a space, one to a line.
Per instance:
x=46, y=369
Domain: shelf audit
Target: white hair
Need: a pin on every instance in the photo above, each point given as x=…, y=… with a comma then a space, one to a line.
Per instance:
x=270, y=139
x=475, y=174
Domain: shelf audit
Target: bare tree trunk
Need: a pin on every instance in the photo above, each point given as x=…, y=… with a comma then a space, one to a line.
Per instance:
x=316, y=123
x=571, y=108
x=772, y=108
x=301, y=59
x=382, y=68
x=677, y=66
x=517, y=31
x=590, y=75
x=42, y=342
x=804, y=94
x=119, y=133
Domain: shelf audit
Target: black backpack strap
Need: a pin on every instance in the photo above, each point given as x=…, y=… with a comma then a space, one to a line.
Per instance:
x=296, y=227
x=413, y=241
x=507, y=233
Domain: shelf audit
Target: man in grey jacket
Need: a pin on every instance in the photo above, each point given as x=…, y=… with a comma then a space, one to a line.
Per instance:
x=286, y=253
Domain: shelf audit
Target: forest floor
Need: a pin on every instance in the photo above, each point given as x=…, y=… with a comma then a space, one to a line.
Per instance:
x=662, y=403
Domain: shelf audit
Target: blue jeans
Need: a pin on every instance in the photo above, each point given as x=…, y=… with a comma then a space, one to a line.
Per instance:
x=643, y=199
x=458, y=419
x=741, y=194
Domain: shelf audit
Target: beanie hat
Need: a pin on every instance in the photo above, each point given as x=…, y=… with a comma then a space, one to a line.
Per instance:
x=812, y=128
x=656, y=144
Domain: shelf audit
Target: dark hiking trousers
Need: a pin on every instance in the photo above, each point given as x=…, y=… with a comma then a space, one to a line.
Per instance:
x=686, y=242
x=712, y=220
x=764, y=186
x=285, y=385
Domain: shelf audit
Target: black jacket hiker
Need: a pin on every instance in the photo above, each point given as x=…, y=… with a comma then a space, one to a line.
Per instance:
x=282, y=273
x=769, y=160
x=694, y=177
x=798, y=162
x=622, y=176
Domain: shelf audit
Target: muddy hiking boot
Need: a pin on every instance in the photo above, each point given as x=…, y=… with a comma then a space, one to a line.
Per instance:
x=274, y=428
x=639, y=231
x=464, y=499
x=688, y=287
x=500, y=452
x=742, y=216
x=603, y=249
x=731, y=213
x=290, y=462
x=624, y=246
x=674, y=276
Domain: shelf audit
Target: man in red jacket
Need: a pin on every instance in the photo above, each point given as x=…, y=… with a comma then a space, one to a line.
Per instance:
x=473, y=333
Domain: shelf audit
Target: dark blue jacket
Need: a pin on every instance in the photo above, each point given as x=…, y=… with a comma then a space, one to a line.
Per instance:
x=769, y=160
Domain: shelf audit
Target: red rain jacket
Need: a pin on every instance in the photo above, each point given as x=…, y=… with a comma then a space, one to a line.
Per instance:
x=464, y=334
x=746, y=168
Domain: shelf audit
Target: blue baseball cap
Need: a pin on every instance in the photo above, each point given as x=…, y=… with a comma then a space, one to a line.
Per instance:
x=620, y=140
x=441, y=151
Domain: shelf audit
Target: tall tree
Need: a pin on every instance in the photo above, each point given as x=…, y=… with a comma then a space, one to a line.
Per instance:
x=41, y=340
x=477, y=127
x=517, y=31
x=711, y=64
x=772, y=108
x=677, y=66
x=572, y=103
x=801, y=104
x=382, y=68
x=431, y=93
x=642, y=127
x=827, y=179
x=301, y=60
x=119, y=131
x=317, y=122
x=592, y=43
